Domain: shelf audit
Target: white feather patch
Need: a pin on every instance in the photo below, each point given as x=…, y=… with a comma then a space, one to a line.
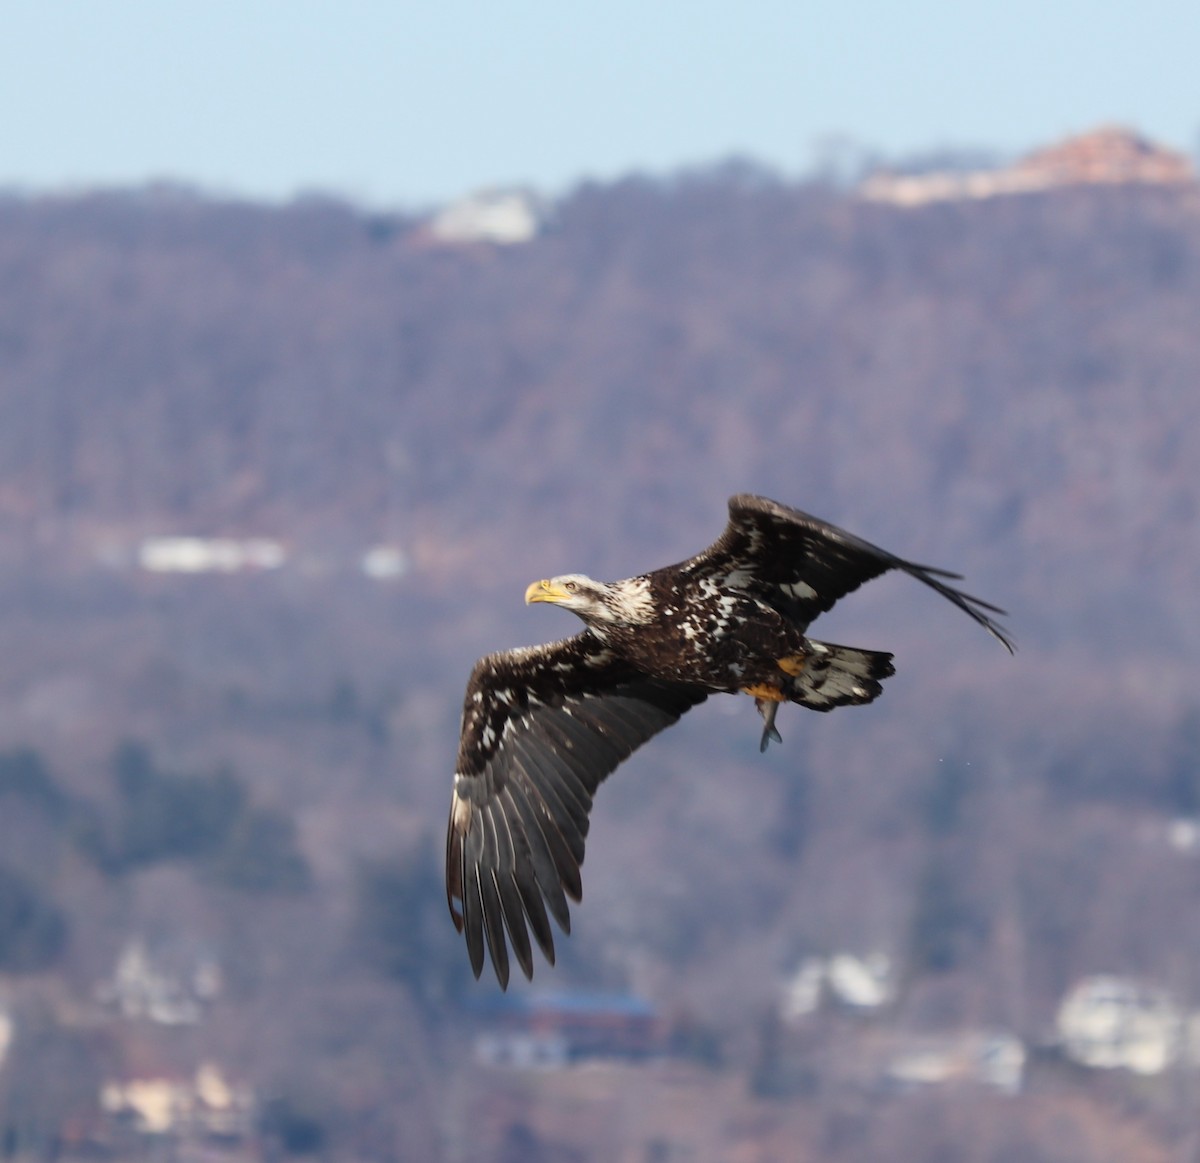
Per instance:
x=799, y=590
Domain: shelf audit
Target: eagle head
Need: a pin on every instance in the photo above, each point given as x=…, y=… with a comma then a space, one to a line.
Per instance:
x=597, y=603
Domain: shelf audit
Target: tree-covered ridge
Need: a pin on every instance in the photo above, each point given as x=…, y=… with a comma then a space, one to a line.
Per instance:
x=1004, y=388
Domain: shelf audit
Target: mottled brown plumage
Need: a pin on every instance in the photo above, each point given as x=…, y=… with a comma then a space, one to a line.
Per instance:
x=544, y=725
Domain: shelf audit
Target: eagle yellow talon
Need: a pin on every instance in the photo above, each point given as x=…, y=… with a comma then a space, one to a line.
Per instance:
x=764, y=690
x=793, y=664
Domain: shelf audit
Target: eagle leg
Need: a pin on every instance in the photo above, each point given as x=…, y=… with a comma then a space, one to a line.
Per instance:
x=768, y=708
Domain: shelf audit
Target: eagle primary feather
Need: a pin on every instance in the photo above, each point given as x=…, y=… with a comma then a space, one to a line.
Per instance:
x=544, y=725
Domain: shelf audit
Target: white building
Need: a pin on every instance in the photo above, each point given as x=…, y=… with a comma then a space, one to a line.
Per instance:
x=207, y=1104
x=209, y=554
x=504, y=217
x=384, y=562
x=141, y=989
x=995, y=1060
x=1111, y=1023
x=844, y=978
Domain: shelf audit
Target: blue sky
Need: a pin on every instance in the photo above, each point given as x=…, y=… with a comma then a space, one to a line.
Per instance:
x=398, y=103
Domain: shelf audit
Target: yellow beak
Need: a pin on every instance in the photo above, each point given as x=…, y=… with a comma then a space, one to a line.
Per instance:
x=545, y=591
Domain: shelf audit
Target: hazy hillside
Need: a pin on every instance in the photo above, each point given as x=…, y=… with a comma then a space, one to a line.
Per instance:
x=1006, y=387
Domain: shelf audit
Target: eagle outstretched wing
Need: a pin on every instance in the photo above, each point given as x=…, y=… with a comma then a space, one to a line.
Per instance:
x=802, y=565
x=542, y=727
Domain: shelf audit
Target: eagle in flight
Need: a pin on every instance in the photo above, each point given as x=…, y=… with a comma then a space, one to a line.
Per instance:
x=542, y=726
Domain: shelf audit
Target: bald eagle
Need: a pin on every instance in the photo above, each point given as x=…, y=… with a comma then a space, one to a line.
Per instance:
x=542, y=726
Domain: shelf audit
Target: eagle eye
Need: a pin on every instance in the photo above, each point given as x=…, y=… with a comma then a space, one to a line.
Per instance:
x=570, y=587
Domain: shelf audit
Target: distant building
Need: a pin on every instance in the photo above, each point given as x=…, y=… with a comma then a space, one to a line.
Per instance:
x=209, y=554
x=884, y=1057
x=1183, y=834
x=384, y=562
x=1111, y=155
x=1107, y=156
x=844, y=978
x=795, y=1058
x=522, y=1050
x=503, y=217
x=1111, y=1023
x=995, y=1060
x=140, y=988
x=206, y=1105
x=546, y=1030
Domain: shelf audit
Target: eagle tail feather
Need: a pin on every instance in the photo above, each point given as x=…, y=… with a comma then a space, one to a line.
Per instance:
x=838, y=676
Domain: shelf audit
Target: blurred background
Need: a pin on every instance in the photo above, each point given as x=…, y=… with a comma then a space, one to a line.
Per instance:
x=326, y=329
